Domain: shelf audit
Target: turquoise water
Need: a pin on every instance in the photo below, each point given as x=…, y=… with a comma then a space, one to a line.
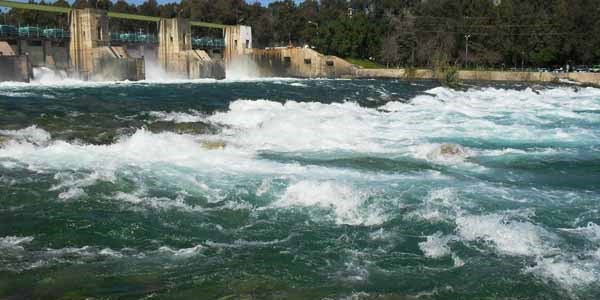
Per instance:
x=298, y=189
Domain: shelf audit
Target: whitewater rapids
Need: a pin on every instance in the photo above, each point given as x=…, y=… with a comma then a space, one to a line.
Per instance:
x=342, y=188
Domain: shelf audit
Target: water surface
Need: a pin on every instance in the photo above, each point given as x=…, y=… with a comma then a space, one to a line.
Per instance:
x=298, y=189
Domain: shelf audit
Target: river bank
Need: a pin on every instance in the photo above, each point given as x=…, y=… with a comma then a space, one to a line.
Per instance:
x=469, y=75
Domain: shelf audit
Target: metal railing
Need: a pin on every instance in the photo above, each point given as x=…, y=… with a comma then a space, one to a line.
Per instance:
x=133, y=38
x=37, y=33
x=32, y=32
x=208, y=43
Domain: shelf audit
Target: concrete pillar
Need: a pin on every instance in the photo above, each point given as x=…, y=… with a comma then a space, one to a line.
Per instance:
x=15, y=68
x=21, y=47
x=174, y=41
x=89, y=30
x=90, y=54
x=47, y=53
x=176, y=56
x=237, y=39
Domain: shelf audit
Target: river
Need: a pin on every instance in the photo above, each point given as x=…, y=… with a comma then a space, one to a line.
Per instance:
x=298, y=189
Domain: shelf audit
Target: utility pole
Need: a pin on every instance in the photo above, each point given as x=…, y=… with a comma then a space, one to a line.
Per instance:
x=467, y=37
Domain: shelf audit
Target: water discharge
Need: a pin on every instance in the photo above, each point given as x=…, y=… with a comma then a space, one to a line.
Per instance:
x=308, y=189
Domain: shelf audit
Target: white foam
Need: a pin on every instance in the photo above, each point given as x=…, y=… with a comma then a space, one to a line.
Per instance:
x=590, y=232
x=436, y=245
x=161, y=203
x=302, y=126
x=72, y=193
x=298, y=84
x=178, y=117
x=183, y=252
x=457, y=261
x=507, y=236
x=14, y=242
x=487, y=114
x=345, y=202
x=177, y=161
x=31, y=134
x=439, y=205
x=596, y=254
x=264, y=187
x=111, y=253
x=340, y=127
x=243, y=243
x=569, y=272
x=46, y=76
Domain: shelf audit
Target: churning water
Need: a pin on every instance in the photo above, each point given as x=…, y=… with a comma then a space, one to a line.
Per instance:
x=298, y=189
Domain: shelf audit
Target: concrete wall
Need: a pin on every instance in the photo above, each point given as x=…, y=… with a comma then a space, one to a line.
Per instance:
x=57, y=55
x=89, y=30
x=583, y=78
x=6, y=49
x=114, y=63
x=49, y=54
x=175, y=39
x=15, y=68
x=91, y=57
x=395, y=73
x=175, y=54
x=299, y=62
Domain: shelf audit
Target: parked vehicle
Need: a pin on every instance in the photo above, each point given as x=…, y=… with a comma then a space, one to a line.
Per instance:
x=595, y=69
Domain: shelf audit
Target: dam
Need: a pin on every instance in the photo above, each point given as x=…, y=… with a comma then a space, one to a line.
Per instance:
x=89, y=51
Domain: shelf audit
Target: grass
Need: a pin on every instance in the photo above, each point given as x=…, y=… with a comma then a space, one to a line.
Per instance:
x=364, y=63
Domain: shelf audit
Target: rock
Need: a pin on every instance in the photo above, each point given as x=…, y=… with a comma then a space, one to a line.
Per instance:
x=448, y=152
x=213, y=145
x=452, y=149
x=183, y=128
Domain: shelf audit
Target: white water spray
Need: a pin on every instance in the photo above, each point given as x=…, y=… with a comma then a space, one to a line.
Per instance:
x=242, y=68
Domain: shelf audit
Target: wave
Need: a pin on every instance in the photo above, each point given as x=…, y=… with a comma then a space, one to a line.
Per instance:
x=31, y=134
x=346, y=203
x=178, y=117
x=507, y=236
x=14, y=242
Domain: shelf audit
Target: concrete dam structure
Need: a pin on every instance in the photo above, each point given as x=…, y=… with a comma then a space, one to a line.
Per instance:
x=90, y=52
x=176, y=56
x=92, y=57
x=299, y=62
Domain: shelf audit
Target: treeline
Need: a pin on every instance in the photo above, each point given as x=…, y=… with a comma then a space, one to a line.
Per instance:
x=499, y=33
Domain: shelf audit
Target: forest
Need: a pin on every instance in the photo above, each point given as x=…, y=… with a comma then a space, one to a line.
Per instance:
x=409, y=33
